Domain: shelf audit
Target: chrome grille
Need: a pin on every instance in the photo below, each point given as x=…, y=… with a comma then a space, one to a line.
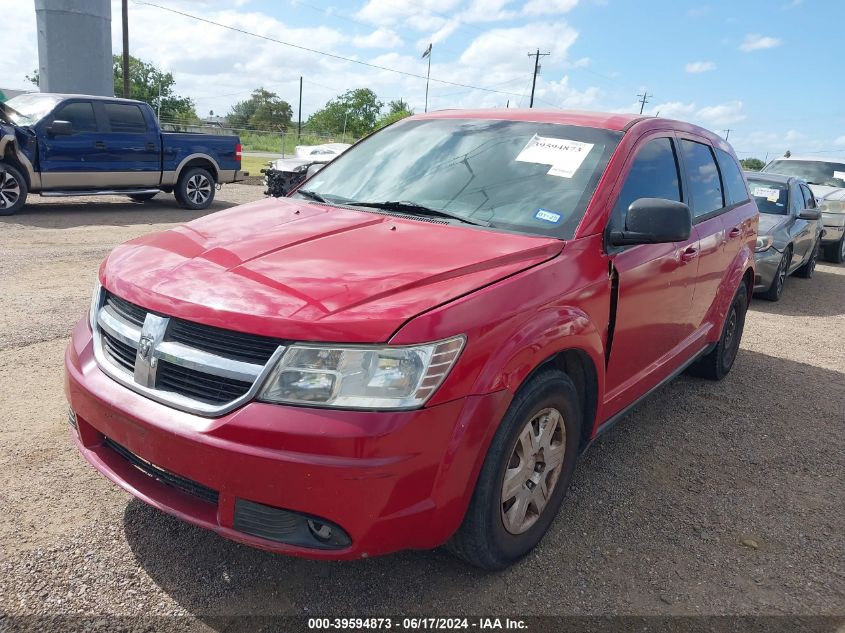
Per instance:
x=187, y=365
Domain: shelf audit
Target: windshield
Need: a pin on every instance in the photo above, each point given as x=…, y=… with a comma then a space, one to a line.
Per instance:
x=515, y=175
x=769, y=196
x=30, y=108
x=815, y=172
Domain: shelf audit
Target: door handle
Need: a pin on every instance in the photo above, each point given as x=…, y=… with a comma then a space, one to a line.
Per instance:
x=100, y=144
x=151, y=146
x=734, y=232
x=689, y=254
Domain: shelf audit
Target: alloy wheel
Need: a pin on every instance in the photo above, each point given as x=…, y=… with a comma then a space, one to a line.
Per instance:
x=10, y=190
x=781, y=274
x=533, y=470
x=198, y=188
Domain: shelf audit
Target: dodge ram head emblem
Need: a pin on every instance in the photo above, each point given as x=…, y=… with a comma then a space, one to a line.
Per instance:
x=145, y=346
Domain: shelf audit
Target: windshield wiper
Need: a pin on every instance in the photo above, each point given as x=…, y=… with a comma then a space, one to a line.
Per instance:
x=412, y=208
x=311, y=195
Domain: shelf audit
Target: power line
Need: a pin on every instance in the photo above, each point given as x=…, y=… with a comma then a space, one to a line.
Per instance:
x=318, y=52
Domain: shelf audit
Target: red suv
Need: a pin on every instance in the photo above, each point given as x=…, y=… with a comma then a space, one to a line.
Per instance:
x=414, y=347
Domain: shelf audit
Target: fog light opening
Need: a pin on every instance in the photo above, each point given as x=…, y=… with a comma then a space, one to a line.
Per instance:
x=320, y=531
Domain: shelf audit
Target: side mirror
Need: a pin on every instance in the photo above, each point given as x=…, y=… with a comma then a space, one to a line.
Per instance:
x=313, y=169
x=60, y=128
x=810, y=214
x=654, y=221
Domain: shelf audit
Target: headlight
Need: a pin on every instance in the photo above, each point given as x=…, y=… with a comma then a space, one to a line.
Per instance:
x=361, y=376
x=832, y=206
x=95, y=305
x=764, y=243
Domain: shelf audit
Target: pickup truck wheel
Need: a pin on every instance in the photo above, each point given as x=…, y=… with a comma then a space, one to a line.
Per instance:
x=836, y=252
x=524, y=476
x=716, y=364
x=195, y=189
x=142, y=197
x=13, y=190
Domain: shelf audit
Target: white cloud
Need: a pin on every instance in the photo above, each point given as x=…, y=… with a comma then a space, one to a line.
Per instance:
x=722, y=114
x=389, y=12
x=755, y=42
x=840, y=140
x=380, y=38
x=700, y=67
x=542, y=7
x=506, y=47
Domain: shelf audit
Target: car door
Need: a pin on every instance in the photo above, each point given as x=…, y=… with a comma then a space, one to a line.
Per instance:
x=76, y=160
x=656, y=282
x=707, y=203
x=803, y=231
x=133, y=145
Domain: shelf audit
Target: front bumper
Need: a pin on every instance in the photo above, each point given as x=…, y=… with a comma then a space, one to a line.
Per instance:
x=765, y=266
x=390, y=480
x=832, y=234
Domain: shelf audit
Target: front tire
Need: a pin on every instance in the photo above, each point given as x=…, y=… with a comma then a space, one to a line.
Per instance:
x=836, y=252
x=525, y=474
x=775, y=291
x=717, y=363
x=195, y=189
x=13, y=190
x=806, y=271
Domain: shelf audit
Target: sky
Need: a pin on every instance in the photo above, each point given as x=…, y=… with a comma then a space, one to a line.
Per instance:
x=766, y=70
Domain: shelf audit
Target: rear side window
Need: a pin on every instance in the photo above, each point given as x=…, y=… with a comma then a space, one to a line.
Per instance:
x=654, y=174
x=705, y=186
x=80, y=115
x=125, y=117
x=735, y=191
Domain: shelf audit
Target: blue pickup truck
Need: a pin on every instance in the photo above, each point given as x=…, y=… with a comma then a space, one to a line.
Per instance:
x=71, y=145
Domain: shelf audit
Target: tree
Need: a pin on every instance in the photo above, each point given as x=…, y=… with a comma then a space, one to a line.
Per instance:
x=146, y=83
x=788, y=154
x=264, y=110
x=752, y=164
x=34, y=78
x=355, y=113
x=396, y=111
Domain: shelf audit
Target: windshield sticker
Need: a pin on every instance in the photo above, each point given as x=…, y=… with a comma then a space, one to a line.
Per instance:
x=839, y=174
x=565, y=157
x=768, y=193
x=547, y=216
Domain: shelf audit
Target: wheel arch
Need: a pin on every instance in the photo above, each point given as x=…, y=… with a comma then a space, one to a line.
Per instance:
x=198, y=160
x=9, y=154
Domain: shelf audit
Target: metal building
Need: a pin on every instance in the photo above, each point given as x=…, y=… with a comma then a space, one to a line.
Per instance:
x=74, y=46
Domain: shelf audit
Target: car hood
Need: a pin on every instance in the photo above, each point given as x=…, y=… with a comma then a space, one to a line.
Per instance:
x=823, y=192
x=296, y=270
x=769, y=223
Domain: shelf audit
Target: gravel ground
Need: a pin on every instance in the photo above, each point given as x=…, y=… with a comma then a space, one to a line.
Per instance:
x=708, y=498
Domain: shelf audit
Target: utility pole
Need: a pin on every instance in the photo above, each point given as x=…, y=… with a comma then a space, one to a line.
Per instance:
x=427, y=53
x=644, y=100
x=727, y=133
x=125, y=49
x=299, y=126
x=536, y=57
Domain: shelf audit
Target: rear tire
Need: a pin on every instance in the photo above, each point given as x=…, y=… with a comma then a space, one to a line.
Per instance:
x=716, y=364
x=835, y=252
x=13, y=189
x=195, y=189
x=142, y=197
x=535, y=447
x=806, y=271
